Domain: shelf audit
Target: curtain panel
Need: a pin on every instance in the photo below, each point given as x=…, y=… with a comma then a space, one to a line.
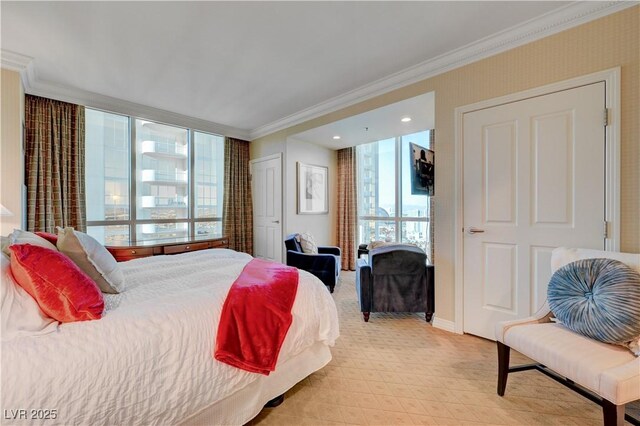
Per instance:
x=237, y=219
x=54, y=164
x=346, y=221
x=432, y=229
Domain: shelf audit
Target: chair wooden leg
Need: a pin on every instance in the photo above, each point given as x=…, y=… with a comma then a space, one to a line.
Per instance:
x=366, y=316
x=613, y=414
x=503, y=367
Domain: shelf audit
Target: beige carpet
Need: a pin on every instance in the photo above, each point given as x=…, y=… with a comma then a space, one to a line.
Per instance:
x=397, y=369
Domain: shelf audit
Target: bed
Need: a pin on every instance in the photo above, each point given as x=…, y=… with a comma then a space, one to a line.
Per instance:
x=149, y=359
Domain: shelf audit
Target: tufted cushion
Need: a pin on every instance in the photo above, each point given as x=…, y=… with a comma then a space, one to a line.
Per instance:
x=599, y=298
x=308, y=243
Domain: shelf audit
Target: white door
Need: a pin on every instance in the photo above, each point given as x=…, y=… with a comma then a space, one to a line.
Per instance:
x=266, y=187
x=533, y=181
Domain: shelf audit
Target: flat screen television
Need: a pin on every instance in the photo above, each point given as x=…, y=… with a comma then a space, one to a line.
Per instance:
x=422, y=170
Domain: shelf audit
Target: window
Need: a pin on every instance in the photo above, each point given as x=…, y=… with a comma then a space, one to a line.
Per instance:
x=209, y=181
x=168, y=184
x=387, y=208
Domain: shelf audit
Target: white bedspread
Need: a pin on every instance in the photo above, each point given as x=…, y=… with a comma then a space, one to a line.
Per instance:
x=149, y=359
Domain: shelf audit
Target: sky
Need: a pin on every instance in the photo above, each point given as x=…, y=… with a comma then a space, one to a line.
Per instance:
x=386, y=170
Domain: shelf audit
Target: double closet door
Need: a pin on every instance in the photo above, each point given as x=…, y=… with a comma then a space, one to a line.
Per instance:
x=534, y=180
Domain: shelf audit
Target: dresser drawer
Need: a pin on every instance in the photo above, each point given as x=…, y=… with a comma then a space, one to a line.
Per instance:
x=183, y=248
x=223, y=243
x=123, y=254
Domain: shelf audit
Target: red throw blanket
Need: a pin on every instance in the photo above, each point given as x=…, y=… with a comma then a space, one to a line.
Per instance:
x=256, y=316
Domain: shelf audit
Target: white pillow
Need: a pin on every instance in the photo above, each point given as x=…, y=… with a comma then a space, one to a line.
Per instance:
x=21, y=315
x=93, y=258
x=4, y=245
x=18, y=236
x=308, y=243
x=563, y=256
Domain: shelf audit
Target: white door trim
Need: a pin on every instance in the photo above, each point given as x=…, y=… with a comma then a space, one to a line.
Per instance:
x=611, y=77
x=282, y=189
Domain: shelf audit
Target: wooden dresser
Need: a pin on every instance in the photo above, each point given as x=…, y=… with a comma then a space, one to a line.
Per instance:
x=128, y=251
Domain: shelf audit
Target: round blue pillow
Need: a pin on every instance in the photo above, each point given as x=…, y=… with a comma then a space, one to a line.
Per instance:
x=599, y=298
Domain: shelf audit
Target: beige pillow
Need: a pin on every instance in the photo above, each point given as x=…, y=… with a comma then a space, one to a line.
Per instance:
x=18, y=236
x=91, y=256
x=308, y=243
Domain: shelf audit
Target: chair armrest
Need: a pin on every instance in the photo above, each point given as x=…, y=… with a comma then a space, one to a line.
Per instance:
x=622, y=382
x=311, y=262
x=363, y=285
x=329, y=250
x=542, y=316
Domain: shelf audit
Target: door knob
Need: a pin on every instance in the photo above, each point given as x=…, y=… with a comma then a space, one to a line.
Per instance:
x=474, y=230
x=275, y=221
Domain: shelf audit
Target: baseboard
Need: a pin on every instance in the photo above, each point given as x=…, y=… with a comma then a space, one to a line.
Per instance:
x=445, y=325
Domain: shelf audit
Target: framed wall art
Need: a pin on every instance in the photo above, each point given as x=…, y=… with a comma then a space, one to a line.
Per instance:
x=313, y=189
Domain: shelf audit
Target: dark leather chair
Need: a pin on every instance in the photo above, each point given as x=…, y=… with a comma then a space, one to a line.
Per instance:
x=324, y=265
x=395, y=279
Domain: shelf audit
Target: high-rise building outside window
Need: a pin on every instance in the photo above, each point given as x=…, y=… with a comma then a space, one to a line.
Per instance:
x=387, y=208
x=168, y=184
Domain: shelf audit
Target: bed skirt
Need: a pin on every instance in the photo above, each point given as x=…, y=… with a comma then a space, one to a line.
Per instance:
x=242, y=406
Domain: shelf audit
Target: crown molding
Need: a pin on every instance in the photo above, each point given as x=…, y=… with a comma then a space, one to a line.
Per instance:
x=569, y=16
x=14, y=61
x=63, y=93
x=23, y=64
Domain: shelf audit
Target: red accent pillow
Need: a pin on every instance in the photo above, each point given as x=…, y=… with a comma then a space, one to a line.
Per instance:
x=52, y=238
x=62, y=290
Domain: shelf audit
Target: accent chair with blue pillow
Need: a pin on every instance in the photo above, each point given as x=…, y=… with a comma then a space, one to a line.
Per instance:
x=325, y=264
x=586, y=335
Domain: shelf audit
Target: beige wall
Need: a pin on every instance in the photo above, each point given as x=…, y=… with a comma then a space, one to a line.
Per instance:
x=322, y=227
x=612, y=41
x=11, y=159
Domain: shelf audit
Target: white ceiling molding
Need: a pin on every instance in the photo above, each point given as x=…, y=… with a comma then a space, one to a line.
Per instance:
x=21, y=63
x=34, y=86
x=14, y=61
x=545, y=25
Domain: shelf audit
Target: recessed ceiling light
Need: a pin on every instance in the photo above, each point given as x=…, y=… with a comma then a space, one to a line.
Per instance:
x=336, y=137
x=406, y=119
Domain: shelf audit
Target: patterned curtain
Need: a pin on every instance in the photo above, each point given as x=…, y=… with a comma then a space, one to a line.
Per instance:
x=54, y=163
x=347, y=207
x=237, y=220
x=432, y=228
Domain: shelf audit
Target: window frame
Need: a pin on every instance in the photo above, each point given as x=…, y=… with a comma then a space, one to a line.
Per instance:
x=398, y=219
x=133, y=220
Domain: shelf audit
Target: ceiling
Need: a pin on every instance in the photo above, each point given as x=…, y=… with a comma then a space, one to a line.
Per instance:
x=375, y=125
x=242, y=64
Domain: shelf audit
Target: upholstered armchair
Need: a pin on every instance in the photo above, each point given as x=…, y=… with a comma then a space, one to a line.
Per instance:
x=395, y=279
x=325, y=265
